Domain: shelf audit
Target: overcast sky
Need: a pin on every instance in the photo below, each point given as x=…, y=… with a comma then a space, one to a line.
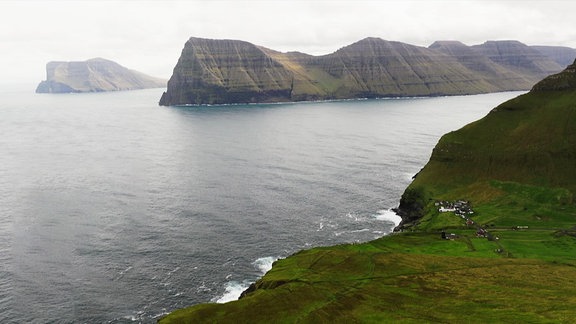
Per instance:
x=148, y=36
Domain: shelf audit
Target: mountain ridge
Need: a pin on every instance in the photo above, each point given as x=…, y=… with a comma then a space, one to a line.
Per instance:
x=213, y=71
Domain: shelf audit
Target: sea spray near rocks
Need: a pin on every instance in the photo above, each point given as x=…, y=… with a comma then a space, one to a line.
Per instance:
x=389, y=215
x=234, y=289
x=264, y=264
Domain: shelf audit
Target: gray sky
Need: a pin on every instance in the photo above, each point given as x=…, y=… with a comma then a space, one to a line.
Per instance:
x=148, y=36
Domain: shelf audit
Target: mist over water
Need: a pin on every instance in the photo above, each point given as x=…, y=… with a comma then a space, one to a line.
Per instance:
x=113, y=209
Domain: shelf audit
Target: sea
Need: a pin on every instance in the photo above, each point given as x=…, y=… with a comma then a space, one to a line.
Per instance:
x=116, y=210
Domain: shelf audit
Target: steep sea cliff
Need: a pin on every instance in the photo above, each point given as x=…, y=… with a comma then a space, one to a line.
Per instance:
x=231, y=71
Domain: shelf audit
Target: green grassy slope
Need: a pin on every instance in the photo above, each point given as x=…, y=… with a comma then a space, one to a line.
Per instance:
x=408, y=278
x=517, y=163
x=516, y=168
x=530, y=139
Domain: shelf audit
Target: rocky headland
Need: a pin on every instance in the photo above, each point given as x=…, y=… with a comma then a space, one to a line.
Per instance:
x=94, y=75
x=231, y=71
x=489, y=236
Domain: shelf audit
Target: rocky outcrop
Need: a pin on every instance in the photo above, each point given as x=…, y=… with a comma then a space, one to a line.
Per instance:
x=94, y=75
x=229, y=71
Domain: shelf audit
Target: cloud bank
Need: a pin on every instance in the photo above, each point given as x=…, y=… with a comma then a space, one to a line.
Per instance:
x=149, y=35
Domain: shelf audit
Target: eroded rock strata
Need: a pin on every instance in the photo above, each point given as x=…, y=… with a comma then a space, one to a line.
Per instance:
x=231, y=71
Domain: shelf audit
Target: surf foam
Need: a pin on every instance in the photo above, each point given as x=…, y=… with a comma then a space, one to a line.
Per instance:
x=234, y=289
x=389, y=215
x=264, y=264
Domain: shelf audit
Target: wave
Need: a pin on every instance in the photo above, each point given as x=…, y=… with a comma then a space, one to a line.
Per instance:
x=389, y=215
x=264, y=264
x=233, y=289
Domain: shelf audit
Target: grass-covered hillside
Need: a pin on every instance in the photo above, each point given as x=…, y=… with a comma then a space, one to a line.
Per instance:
x=518, y=163
x=489, y=235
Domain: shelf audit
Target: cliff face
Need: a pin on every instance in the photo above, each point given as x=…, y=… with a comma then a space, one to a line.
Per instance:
x=229, y=71
x=487, y=68
x=519, y=58
x=559, y=54
x=94, y=75
x=225, y=71
x=377, y=68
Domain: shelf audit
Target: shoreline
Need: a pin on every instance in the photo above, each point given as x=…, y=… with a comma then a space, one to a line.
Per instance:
x=385, y=215
x=336, y=100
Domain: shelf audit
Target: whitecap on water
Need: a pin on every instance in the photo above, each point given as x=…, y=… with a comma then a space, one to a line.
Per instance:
x=389, y=215
x=353, y=216
x=264, y=264
x=234, y=289
x=125, y=270
x=409, y=176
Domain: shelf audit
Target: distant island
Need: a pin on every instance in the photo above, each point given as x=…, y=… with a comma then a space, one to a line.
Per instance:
x=94, y=75
x=232, y=71
x=488, y=235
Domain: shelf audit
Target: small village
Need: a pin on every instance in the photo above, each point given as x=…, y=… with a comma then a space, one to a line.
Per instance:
x=459, y=207
x=462, y=209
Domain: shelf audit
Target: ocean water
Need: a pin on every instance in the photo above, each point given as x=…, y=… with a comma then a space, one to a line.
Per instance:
x=114, y=210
